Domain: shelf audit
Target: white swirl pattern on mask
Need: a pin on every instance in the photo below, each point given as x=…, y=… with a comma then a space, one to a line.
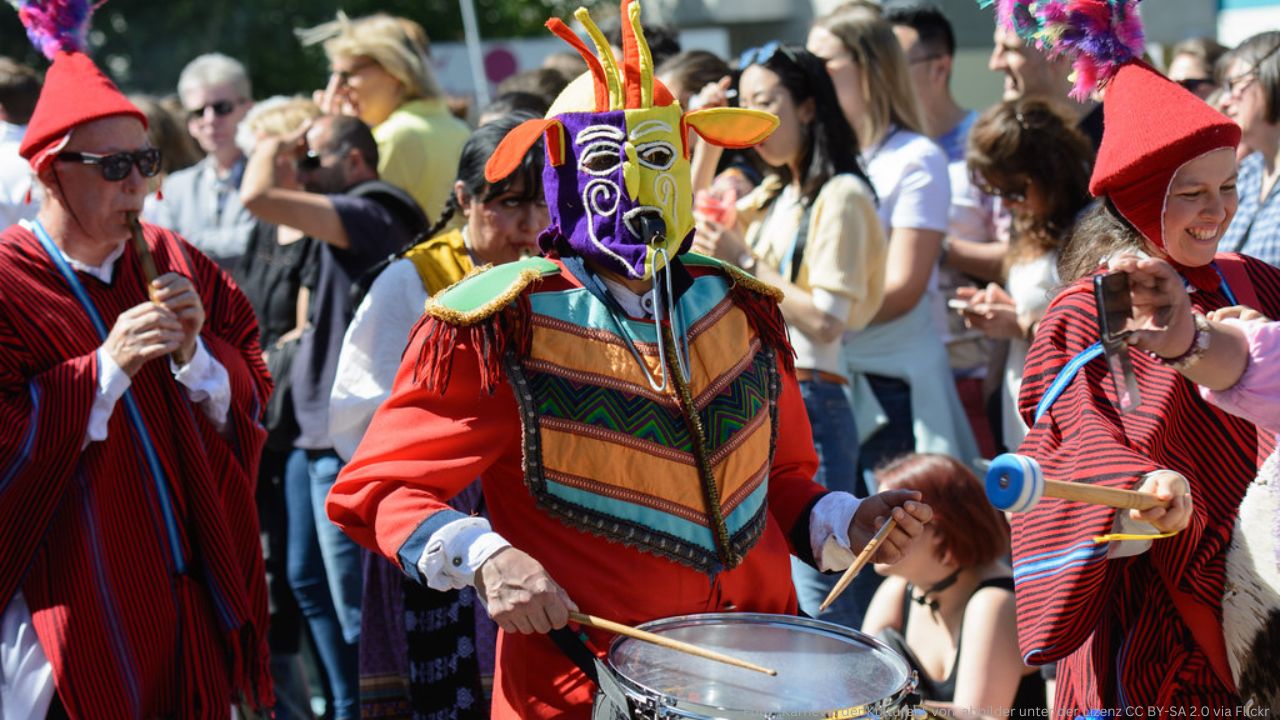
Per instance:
x=601, y=195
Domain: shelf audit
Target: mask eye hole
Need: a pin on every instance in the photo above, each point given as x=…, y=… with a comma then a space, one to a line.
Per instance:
x=656, y=155
x=600, y=159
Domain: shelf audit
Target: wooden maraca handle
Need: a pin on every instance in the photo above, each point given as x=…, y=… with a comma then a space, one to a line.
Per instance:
x=1015, y=483
x=1098, y=495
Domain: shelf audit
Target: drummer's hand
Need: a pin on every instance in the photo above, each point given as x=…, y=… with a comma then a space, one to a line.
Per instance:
x=873, y=511
x=1175, y=491
x=520, y=595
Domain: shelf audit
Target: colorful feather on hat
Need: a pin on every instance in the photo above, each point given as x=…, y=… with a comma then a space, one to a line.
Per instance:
x=56, y=25
x=1099, y=35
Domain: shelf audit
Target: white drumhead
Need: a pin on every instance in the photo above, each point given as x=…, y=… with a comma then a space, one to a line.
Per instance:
x=822, y=668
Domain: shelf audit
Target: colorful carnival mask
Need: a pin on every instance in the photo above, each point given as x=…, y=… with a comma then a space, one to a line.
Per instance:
x=617, y=179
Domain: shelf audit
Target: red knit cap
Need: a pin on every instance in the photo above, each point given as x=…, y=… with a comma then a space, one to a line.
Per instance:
x=1152, y=127
x=75, y=92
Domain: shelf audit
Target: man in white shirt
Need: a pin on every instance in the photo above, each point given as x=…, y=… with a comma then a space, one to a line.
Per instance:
x=202, y=202
x=972, y=253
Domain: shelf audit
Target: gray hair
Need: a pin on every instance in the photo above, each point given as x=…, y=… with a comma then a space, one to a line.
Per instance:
x=215, y=69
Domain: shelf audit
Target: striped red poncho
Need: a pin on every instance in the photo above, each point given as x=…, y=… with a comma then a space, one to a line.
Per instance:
x=1113, y=622
x=82, y=532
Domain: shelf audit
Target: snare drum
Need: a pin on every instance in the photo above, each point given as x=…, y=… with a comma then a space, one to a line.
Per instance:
x=824, y=671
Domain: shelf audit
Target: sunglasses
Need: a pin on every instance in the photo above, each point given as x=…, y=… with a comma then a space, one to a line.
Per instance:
x=1195, y=85
x=117, y=166
x=763, y=54
x=344, y=76
x=221, y=108
x=310, y=161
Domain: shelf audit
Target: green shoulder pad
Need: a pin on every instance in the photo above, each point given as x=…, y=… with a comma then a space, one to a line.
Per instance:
x=735, y=273
x=487, y=290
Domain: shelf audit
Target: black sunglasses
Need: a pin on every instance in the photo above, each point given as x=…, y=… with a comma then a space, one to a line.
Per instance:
x=117, y=166
x=310, y=161
x=221, y=108
x=1195, y=84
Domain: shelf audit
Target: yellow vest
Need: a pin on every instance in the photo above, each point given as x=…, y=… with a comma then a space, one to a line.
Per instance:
x=441, y=261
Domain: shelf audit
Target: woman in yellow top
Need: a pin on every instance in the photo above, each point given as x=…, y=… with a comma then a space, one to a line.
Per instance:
x=811, y=230
x=381, y=73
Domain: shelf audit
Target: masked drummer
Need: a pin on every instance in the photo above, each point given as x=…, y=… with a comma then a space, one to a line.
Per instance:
x=631, y=410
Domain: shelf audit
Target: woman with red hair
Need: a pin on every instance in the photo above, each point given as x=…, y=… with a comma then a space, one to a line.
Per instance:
x=947, y=606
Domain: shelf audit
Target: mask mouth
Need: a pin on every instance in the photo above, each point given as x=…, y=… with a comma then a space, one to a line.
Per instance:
x=645, y=223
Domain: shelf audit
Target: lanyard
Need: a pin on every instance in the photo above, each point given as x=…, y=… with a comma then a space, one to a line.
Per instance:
x=150, y=456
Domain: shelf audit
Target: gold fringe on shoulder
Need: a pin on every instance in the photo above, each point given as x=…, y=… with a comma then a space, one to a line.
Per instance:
x=750, y=282
x=491, y=307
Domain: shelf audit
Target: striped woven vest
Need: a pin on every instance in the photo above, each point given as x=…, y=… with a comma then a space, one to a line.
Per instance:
x=680, y=473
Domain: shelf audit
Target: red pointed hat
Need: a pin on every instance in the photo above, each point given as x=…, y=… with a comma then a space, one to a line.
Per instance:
x=1152, y=127
x=75, y=92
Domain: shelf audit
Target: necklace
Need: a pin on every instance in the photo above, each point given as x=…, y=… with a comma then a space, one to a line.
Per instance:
x=924, y=599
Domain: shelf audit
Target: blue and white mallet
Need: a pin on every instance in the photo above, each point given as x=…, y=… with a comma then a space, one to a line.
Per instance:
x=1015, y=483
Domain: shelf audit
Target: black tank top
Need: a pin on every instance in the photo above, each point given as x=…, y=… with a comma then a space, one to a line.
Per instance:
x=1030, y=691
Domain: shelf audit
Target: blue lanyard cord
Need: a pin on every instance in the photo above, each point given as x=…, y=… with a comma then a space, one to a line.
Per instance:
x=1072, y=368
x=1226, y=288
x=131, y=406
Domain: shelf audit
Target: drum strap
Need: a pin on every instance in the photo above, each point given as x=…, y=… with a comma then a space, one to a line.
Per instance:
x=575, y=648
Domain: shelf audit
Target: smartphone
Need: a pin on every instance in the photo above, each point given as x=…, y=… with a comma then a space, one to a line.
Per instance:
x=1111, y=293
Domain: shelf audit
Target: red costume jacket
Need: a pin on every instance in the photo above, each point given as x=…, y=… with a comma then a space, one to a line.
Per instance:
x=422, y=447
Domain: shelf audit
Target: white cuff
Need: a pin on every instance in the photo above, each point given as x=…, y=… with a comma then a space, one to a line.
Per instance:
x=456, y=551
x=1128, y=526
x=829, y=531
x=112, y=382
x=207, y=384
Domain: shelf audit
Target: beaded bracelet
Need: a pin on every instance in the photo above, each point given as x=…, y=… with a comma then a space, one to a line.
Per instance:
x=1199, y=346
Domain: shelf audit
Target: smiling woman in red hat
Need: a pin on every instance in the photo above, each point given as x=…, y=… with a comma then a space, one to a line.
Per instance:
x=131, y=388
x=1134, y=622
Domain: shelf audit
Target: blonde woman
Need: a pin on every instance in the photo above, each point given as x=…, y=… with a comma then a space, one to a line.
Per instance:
x=380, y=73
x=903, y=395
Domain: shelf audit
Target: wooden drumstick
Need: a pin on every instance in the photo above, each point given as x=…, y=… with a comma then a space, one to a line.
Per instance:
x=678, y=646
x=858, y=562
x=144, y=254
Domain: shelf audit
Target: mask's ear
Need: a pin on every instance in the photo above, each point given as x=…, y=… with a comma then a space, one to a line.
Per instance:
x=730, y=127
x=516, y=144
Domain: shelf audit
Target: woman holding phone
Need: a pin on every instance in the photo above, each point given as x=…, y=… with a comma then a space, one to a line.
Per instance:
x=1034, y=159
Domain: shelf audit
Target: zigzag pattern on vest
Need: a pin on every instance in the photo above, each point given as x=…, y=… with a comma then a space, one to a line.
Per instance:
x=607, y=454
x=639, y=420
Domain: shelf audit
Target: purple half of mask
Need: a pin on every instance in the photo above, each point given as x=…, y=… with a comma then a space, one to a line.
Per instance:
x=587, y=199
